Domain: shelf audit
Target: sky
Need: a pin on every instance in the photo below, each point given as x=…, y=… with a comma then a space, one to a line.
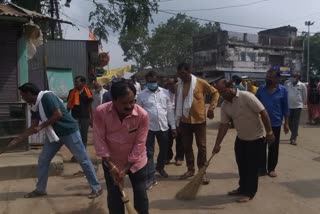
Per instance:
x=255, y=13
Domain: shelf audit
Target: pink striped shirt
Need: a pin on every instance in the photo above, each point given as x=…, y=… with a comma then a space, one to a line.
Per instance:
x=122, y=142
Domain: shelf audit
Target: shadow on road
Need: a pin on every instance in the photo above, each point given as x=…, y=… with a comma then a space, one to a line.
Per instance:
x=94, y=207
x=213, y=125
x=219, y=176
x=210, y=202
x=304, y=188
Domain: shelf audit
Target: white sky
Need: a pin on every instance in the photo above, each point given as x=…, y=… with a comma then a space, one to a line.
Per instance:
x=271, y=13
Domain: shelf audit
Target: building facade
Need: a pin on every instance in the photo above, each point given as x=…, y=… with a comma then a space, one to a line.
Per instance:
x=249, y=55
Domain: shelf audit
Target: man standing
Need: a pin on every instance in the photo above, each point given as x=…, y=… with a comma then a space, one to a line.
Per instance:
x=237, y=83
x=61, y=129
x=244, y=109
x=274, y=97
x=297, y=93
x=120, y=132
x=97, y=93
x=171, y=87
x=79, y=102
x=155, y=100
x=191, y=115
x=136, y=84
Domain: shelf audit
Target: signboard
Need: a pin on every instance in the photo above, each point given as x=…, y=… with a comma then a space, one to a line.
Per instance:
x=284, y=70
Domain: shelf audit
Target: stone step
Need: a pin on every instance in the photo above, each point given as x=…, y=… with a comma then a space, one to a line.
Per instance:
x=20, y=165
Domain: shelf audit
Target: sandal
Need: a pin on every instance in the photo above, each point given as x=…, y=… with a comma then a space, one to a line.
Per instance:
x=235, y=192
x=273, y=174
x=35, y=194
x=244, y=200
x=95, y=194
x=188, y=174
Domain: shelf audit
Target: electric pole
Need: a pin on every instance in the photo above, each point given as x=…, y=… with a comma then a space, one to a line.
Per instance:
x=308, y=23
x=52, y=16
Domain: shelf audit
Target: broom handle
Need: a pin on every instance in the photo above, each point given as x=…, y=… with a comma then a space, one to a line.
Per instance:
x=210, y=158
x=21, y=137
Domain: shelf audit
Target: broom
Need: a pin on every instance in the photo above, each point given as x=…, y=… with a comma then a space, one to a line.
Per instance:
x=190, y=190
x=127, y=203
x=125, y=199
x=19, y=139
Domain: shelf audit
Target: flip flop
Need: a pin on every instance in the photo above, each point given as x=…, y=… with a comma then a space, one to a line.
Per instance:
x=273, y=174
x=35, y=194
x=186, y=175
x=244, y=200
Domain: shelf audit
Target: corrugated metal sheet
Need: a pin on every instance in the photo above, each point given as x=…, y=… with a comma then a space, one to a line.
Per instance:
x=8, y=64
x=71, y=54
x=68, y=54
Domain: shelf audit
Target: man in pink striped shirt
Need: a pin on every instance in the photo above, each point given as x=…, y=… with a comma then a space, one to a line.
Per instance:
x=120, y=131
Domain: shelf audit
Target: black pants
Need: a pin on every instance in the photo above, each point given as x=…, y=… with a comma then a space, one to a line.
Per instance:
x=138, y=182
x=162, y=138
x=83, y=128
x=273, y=153
x=179, y=147
x=294, y=120
x=247, y=157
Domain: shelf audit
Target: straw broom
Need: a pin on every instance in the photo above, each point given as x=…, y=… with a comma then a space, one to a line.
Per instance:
x=127, y=203
x=190, y=190
x=19, y=139
x=125, y=199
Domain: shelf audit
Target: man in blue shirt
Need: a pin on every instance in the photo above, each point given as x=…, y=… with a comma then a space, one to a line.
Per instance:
x=274, y=97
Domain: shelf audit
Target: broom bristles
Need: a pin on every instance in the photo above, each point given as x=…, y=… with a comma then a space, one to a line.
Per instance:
x=128, y=205
x=190, y=190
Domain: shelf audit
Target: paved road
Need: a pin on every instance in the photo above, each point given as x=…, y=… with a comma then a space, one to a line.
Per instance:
x=295, y=190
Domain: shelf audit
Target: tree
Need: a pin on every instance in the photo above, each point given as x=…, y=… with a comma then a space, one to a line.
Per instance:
x=134, y=46
x=169, y=44
x=109, y=15
x=314, y=53
x=125, y=16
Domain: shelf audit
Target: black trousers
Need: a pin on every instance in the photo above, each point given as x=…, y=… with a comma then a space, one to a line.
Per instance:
x=179, y=147
x=83, y=128
x=247, y=157
x=138, y=181
x=269, y=163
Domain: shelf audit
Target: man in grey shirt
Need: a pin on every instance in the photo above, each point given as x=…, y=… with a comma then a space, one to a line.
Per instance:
x=248, y=115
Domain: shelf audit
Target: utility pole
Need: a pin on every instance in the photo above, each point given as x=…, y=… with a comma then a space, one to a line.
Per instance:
x=308, y=23
x=52, y=16
x=58, y=17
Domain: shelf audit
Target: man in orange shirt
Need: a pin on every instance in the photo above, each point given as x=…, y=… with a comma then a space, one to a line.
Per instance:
x=191, y=115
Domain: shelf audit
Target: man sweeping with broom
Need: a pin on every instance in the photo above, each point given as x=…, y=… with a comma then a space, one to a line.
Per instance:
x=244, y=109
x=120, y=130
x=191, y=116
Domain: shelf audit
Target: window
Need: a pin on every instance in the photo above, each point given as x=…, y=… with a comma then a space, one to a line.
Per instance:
x=276, y=60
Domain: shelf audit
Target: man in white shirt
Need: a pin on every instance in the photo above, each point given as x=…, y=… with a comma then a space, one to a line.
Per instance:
x=171, y=86
x=136, y=84
x=297, y=98
x=97, y=93
x=155, y=100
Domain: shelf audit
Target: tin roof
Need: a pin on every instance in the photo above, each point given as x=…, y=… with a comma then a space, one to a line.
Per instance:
x=13, y=10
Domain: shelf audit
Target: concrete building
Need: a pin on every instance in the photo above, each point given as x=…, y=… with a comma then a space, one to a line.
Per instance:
x=225, y=53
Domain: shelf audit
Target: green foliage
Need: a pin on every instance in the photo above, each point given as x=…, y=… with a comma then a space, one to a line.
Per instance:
x=169, y=44
x=314, y=52
x=121, y=15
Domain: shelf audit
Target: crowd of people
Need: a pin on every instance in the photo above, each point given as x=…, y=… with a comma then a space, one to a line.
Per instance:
x=126, y=120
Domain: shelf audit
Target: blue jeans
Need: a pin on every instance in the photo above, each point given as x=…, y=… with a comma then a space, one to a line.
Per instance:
x=162, y=138
x=74, y=143
x=138, y=182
